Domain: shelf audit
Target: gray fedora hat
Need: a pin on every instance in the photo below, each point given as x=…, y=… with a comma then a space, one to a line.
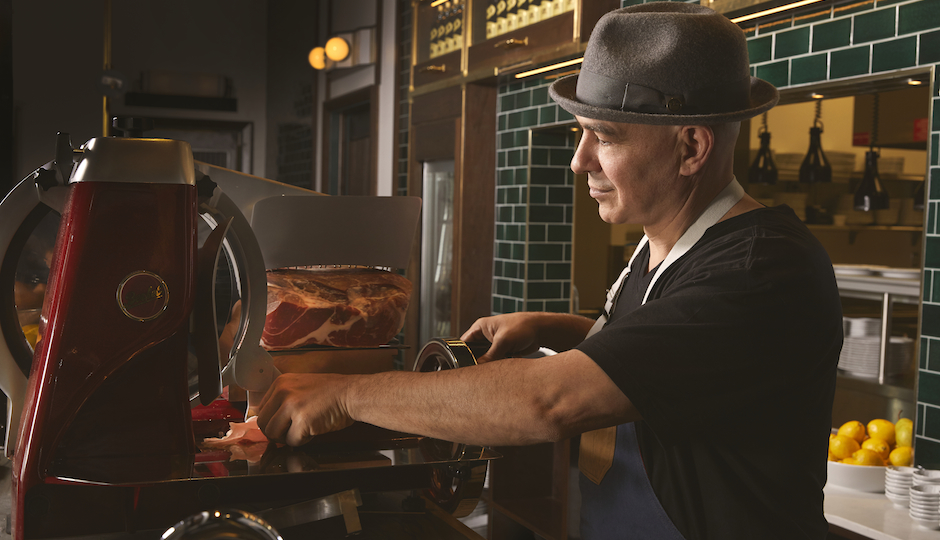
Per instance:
x=665, y=63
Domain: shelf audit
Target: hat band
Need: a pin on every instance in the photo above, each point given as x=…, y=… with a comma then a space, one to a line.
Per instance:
x=602, y=91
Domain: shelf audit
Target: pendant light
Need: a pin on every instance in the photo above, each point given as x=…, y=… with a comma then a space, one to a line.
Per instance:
x=815, y=167
x=870, y=194
x=763, y=170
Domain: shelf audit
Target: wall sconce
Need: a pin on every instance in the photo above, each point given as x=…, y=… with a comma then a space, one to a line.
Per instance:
x=763, y=170
x=345, y=50
x=871, y=195
x=815, y=167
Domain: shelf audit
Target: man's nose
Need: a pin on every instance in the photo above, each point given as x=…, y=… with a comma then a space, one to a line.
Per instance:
x=584, y=159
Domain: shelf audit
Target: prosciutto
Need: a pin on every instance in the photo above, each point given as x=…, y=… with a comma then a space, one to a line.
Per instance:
x=340, y=307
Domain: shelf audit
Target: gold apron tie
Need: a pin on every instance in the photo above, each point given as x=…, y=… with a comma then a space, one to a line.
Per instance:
x=596, y=454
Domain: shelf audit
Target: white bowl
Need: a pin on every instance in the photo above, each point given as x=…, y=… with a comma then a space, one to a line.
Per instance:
x=899, y=500
x=906, y=472
x=926, y=490
x=925, y=506
x=898, y=483
x=858, y=477
x=926, y=476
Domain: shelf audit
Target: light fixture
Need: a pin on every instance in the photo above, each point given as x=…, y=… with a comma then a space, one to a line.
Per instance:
x=317, y=58
x=773, y=10
x=763, y=170
x=337, y=49
x=870, y=194
x=815, y=167
x=915, y=82
x=549, y=68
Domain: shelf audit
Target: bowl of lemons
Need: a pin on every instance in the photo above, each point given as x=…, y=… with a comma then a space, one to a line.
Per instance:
x=859, y=453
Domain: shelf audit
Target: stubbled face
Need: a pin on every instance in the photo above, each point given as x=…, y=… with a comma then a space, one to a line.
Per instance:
x=632, y=170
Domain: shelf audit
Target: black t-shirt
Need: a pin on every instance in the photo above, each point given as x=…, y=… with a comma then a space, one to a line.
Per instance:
x=732, y=364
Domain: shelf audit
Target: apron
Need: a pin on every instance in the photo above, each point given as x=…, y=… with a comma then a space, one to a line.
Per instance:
x=625, y=506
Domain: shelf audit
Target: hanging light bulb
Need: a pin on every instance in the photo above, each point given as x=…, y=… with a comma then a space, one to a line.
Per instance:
x=870, y=194
x=815, y=167
x=763, y=170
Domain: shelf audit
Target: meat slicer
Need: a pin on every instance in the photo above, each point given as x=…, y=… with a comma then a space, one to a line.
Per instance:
x=99, y=416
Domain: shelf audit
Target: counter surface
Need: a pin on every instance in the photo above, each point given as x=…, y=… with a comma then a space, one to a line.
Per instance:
x=872, y=515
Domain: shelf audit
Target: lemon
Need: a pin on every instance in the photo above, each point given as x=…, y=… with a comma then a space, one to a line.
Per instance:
x=831, y=457
x=849, y=461
x=843, y=446
x=878, y=446
x=868, y=457
x=854, y=429
x=881, y=429
x=904, y=432
x=902, y=456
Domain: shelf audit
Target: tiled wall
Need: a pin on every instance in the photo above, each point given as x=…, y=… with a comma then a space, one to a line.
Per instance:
x=534, y=196
x=404, y=78
x=854, y=39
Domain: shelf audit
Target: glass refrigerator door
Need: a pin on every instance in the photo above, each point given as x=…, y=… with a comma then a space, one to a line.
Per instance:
x=437, y=235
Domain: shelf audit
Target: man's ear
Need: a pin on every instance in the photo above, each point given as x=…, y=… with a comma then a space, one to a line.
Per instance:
x=696, y=143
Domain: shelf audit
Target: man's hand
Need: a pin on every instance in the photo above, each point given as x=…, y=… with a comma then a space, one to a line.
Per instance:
x=522, y=333
x=299, y=406
x=512, y=334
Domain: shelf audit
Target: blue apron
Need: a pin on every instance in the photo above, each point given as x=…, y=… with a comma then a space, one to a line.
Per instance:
x=622, y=503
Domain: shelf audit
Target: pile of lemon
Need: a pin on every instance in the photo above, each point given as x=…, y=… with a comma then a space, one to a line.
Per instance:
x=879, y=443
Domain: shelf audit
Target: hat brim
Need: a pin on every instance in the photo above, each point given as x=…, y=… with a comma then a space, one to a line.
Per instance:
x=763, y=97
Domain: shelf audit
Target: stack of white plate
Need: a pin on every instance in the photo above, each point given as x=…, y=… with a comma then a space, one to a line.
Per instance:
x=861, y=355
x=898, y=482
x=861, y=326
x=925, y=505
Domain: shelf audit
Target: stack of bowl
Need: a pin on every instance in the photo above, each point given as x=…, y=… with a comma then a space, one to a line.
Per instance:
x=925, y=503
x=898, y=482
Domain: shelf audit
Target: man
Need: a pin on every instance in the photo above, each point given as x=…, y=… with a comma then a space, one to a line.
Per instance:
x=717, y=364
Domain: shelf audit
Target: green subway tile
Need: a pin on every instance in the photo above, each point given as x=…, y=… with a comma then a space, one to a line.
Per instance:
x=505, y=177
x=542, y=213
x=935, y=149
x=545, y=252
x=522, y=176
x=849, y=62
x=564, y=115
x=560, y=195
x=540, y=96
x=809, y=69
x=539, y=156
x=933, y=354
x=926, y=453
x=523, y=99
x=857, y=7
x=498, y=267
x=535, y=305
x=931, y=288
x=872, y=26
x=777, y=74
x=518, y=289
x=515, y=87
x=924, y=349
x=536, y=233
x=559, y=233
x=930, y=320
x=518, y=214
x=759, y=49
x=932, y=255
x=502, y=286
x=929, y=50
x=518, y=252
x=547, y=114
x=775, y=26
x=533, y=82
x=558, y=306
x=506, y=139
x=514, y=158
x=501, y=231
x=521, y=138
x=817, y=16
x=792, y=43
x=548, y=175
x=504, y=214
x=513, y=270
x=931, y=216
x=549, y=137
x=500, y=196
x=538, y=195
x=507, y=103
x=936, y=114
x=750, y=32
x=540, y=290
x=530, y=118
x=562, y=156
x=933, y=184
x=896, y=54
x=919, y=16
x=558, y=271
x=503, y=250
x=928, y=390
x=500, y=160
x=832, y=34
x=535, y=271
x=512, y=196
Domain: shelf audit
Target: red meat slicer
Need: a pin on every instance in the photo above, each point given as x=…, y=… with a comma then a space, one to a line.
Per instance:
x=99, y=422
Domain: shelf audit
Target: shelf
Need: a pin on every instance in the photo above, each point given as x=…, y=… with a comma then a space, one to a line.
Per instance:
x=905, y=291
